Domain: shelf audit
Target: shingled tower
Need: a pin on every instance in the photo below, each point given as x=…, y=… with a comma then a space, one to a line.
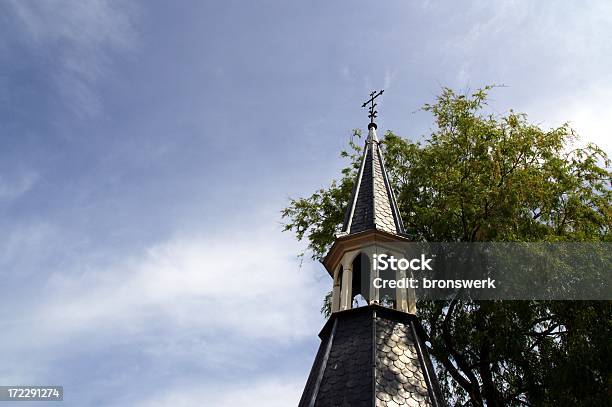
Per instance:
x=371, y=355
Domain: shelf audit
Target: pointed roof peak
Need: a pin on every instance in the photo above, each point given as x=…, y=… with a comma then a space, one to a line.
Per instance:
x=372, y=204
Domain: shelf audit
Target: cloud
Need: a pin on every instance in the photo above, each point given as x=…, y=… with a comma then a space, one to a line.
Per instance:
x=76, y=40
x=24, y=245
x=259, y=393
x=245, y=277
x=587, y=111
x=14, y=187
x=390, y=75
x=552, y=58
x=347, y=73
x=189, y=301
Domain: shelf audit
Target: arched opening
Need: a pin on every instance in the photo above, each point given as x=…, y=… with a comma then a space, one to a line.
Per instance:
x=360, y=295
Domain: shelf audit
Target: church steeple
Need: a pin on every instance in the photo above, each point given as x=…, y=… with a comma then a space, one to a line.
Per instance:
x=371, y=355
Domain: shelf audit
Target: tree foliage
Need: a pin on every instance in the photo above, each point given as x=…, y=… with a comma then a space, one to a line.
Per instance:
x=488, y=177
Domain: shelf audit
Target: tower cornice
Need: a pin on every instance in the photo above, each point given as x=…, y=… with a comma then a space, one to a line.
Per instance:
x=349, y=242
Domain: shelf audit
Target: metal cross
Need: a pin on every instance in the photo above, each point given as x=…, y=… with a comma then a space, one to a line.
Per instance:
x=373, y=112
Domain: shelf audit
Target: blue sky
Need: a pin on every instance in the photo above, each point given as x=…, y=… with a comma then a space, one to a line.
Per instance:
x=146, y=149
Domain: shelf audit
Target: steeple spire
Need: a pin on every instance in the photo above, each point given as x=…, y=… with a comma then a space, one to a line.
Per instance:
x=372, y=204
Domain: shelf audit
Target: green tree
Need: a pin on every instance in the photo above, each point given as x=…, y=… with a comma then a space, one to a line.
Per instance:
x=487, y=177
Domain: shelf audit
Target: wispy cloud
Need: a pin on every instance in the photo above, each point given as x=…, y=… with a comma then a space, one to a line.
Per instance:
x=512, y=42
x=82, y=37
x=193, y=300
x=236, y=275
x=258, y=393
x=242, y=279
x=587, y=111
x=390, y=75
x=14, y=187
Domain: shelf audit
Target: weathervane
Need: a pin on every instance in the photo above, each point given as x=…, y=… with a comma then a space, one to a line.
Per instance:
x=373, y=112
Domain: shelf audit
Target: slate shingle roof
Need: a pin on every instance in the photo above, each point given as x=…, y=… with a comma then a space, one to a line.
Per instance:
x=372, y=204
x=371, y=356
